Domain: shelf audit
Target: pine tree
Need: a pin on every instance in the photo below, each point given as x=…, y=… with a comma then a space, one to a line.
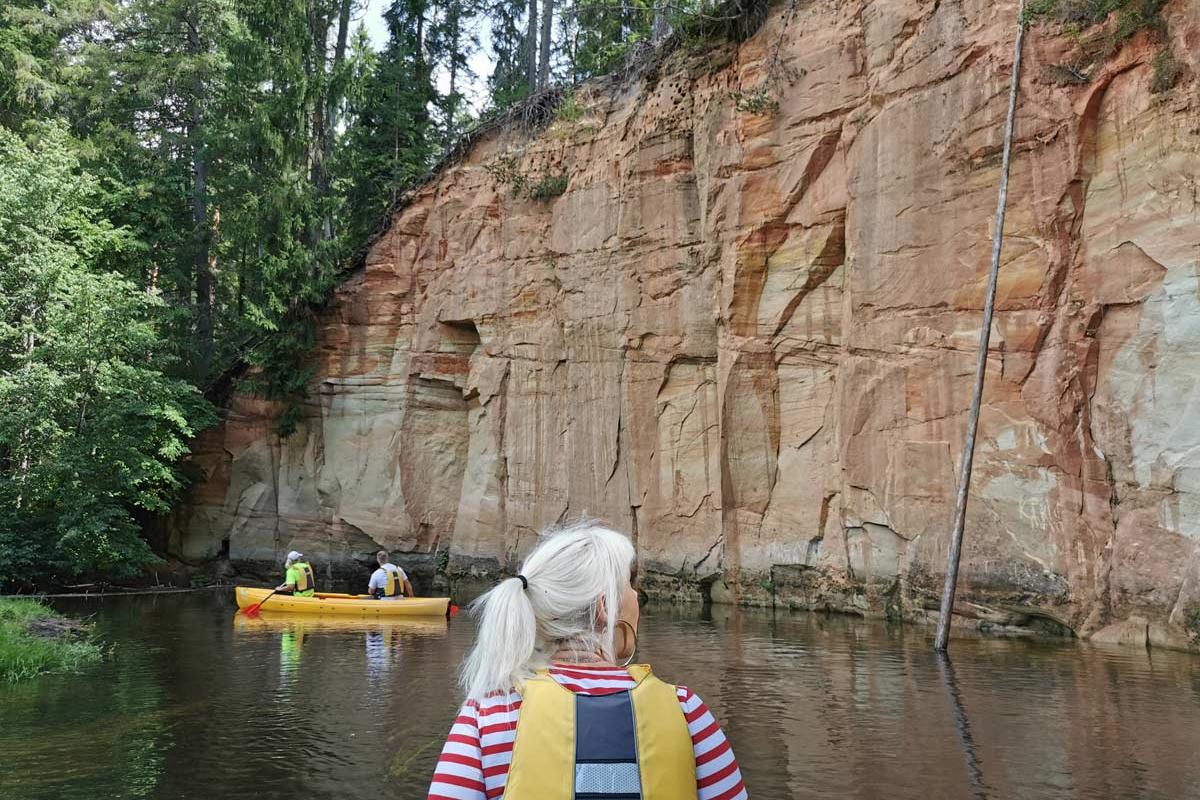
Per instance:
x=603, y=31
x=450, y=47
x=36, y=68
x=508, y=82
x=393, y=138
x=242, y=150
x=546, y=37
x=148, y=89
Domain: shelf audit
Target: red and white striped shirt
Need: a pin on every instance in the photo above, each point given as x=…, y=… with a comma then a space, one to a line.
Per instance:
x=475, y=760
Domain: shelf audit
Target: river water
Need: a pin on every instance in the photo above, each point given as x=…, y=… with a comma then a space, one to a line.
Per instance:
x=195, y=702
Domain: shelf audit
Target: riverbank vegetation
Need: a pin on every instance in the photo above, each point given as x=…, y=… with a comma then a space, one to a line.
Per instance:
x=182, y=183
x=35, y=640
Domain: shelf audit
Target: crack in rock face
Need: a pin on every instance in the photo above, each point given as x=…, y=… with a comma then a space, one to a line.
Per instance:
x=747, y=335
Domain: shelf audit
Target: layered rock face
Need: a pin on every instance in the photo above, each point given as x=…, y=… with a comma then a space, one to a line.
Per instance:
x=746, y=332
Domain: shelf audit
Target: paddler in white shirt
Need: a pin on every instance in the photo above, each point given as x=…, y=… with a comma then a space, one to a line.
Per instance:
x=389, y=582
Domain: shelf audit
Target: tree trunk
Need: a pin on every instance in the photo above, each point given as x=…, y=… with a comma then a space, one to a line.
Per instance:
x=544, y=54
x=200, y=262
x=241, y=285
x=318, y=75
x=317, y=69
x=332, y=100
x=455, y=34
x=201, y=267
x=424, y=71
x=661, y=28
x=30, y=343
x=531, y=47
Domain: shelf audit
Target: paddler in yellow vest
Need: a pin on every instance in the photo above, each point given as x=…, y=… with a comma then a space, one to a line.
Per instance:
x=298, y=579
x=549, y=681
x=389, y=582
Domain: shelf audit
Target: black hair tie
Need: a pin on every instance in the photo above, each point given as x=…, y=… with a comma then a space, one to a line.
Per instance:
x=524, y=582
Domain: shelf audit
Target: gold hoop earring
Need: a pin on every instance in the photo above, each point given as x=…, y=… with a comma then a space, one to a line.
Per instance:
x=633, y=632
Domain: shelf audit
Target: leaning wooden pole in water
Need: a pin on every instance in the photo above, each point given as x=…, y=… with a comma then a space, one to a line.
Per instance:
x=989, y=307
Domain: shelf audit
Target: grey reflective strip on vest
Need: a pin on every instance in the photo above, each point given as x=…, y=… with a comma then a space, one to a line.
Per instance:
x=607, y=780
x=606, y=765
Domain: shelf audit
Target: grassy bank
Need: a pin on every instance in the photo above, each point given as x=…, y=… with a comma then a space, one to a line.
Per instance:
x=35, y=640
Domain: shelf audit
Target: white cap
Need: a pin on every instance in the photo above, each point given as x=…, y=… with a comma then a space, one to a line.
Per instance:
x=294, y=556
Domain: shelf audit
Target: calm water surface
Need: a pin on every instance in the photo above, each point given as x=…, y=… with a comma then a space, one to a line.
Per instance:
x=195, y=703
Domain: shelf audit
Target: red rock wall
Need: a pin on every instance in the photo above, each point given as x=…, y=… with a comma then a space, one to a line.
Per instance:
x=747, y=335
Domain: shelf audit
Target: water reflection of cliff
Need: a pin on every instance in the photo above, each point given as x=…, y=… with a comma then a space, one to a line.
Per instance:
x=817, y=708
x=829, y=706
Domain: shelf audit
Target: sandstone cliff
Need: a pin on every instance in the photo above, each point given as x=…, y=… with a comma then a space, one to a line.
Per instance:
x=745, y=333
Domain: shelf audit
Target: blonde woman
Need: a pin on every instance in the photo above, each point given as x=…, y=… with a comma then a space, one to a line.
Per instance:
x=552, y=713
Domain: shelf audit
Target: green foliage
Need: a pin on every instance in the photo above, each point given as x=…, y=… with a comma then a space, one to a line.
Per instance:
x=225, y=160
x=506, y=170
x=759, y=101
x=393, y=139
x=299, y=136
x=600, y=37
x=1138, y=15
x=90, y=426
x=34, y=67
x=23, y=610
x=1080, y=13
x=1132, y=17
x=1166, y=71
x=704, y=25
x=569, y=108
x=24, y=654
x=602, y=33
x=1191, y=621
x=451, y=44
x=507, y=84
x=548, y=187
x=282, y=370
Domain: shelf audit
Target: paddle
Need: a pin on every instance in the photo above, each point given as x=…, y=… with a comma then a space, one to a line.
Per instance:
x=252, y=610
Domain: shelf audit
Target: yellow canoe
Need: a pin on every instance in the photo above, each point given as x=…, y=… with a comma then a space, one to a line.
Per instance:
x=274, y=621
x=359, y=605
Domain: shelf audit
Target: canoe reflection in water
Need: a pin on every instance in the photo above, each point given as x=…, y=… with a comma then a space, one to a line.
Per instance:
x=383, y=651
x=382, y=637
x=290, y=643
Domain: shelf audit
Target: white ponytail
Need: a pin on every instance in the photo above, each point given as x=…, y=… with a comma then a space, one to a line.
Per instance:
x=569, y=572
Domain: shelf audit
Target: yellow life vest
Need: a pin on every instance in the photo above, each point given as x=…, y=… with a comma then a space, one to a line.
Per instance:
x=395, y=584
x=632, y=743
x=306, y=582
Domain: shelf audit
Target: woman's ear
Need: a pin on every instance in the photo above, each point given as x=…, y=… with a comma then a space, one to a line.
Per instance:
x=601, y=614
